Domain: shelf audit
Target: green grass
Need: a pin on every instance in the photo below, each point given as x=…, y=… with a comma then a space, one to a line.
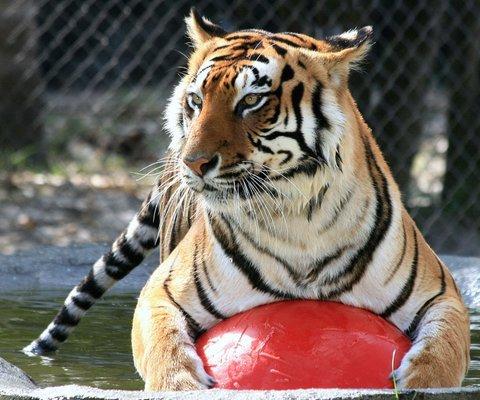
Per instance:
x=396, y=392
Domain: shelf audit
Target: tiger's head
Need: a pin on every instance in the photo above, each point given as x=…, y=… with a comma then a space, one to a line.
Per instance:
x=257, y=112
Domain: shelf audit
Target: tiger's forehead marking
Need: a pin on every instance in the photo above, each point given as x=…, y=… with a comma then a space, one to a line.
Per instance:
x=197, y=83
x=255, y=78
x=242, y=79
x=250, y=61
x=242, y=65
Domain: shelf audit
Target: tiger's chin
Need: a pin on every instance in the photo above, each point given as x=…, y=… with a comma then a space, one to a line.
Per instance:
x=224, y=200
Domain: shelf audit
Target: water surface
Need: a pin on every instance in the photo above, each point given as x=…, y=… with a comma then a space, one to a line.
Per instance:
x=98, y=353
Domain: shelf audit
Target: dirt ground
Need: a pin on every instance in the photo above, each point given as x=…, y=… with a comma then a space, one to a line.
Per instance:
x=43, y=209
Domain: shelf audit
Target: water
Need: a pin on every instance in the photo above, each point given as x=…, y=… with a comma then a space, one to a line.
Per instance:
x=98, y=353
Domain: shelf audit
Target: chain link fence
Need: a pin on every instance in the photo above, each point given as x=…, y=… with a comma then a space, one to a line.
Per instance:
x=100, y=69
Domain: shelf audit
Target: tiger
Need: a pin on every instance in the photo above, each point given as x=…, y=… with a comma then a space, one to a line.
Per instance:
x=273, y=189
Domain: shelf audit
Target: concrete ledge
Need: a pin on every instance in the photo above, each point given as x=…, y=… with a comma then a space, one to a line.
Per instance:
x=13, y=378
x=83, y=392
x=53, y=267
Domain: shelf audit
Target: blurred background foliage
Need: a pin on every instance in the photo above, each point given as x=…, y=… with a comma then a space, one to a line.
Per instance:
x=84, y=84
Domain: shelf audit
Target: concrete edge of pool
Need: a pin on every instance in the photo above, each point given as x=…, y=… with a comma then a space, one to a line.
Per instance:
x=79, y=392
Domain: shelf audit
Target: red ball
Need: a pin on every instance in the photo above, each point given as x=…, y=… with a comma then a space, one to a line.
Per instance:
x=302, y=344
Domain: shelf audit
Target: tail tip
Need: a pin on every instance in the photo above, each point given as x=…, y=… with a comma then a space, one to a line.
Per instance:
x=37, y=348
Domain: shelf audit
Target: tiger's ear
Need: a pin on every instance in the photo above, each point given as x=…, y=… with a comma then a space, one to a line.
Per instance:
x=347, y=50
x=200, y=29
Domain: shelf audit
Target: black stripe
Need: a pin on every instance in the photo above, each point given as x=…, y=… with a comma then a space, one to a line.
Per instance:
x=279, y=49
x=46, y=346
x=338, y=159
x=231, y=174
x=285, y=120
x=207, y=276
x=321, y=121
x=285, y=41
x=202, y=295
x=149, y=244
x=258, y=144
x=296, y=98
x=180, y=117
x=243, y=37
x=407, y=288
x=264, y=80
x=219, y=48
x=258, y=57
x=400, y=261
x=309, y=168
x=173, y=233
x=148, y=214
x=90, y=286
x=338, y=211
x=310, y=45
x=383, y=218
x=261, y=249
x=287, y=73
x=321, y=264
x=65, y=318
x=316, y=202
x=164, y=251
x=193, y=325
x=296, y=36
x=83, y=304
x=224, y=57
x=243, y=47
x=58, y=334
x=199, y=73
x=274, y=118
x=412, y=329
x=133, y=256
x=298, y=137
x=116, y=268
x=243, y=264
x=240, y=57
x=288, y=154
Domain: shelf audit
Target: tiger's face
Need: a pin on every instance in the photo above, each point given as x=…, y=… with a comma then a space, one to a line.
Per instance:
x=257, y=109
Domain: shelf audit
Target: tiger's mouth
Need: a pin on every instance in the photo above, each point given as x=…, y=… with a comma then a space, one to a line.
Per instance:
x=250, y=181
x=232, y=188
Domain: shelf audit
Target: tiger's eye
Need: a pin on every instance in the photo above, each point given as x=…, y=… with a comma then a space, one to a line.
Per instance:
x=251, y=99
x=196, y=99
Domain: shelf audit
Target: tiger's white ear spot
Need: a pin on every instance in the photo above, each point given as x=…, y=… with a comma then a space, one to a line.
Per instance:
x=350, y=39
x=349, y=35
x=345, y=52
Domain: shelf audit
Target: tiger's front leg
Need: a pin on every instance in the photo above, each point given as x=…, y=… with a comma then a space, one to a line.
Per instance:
x=164, y=353
x=439, y=356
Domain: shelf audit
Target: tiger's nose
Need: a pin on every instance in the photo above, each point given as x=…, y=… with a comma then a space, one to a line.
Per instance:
x=200, y=165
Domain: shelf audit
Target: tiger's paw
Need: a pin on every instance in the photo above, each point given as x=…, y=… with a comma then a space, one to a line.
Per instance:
x=422, y=368
x=185, y=372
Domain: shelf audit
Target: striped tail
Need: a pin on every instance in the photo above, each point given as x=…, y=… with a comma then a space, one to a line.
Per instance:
x=127, y=252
